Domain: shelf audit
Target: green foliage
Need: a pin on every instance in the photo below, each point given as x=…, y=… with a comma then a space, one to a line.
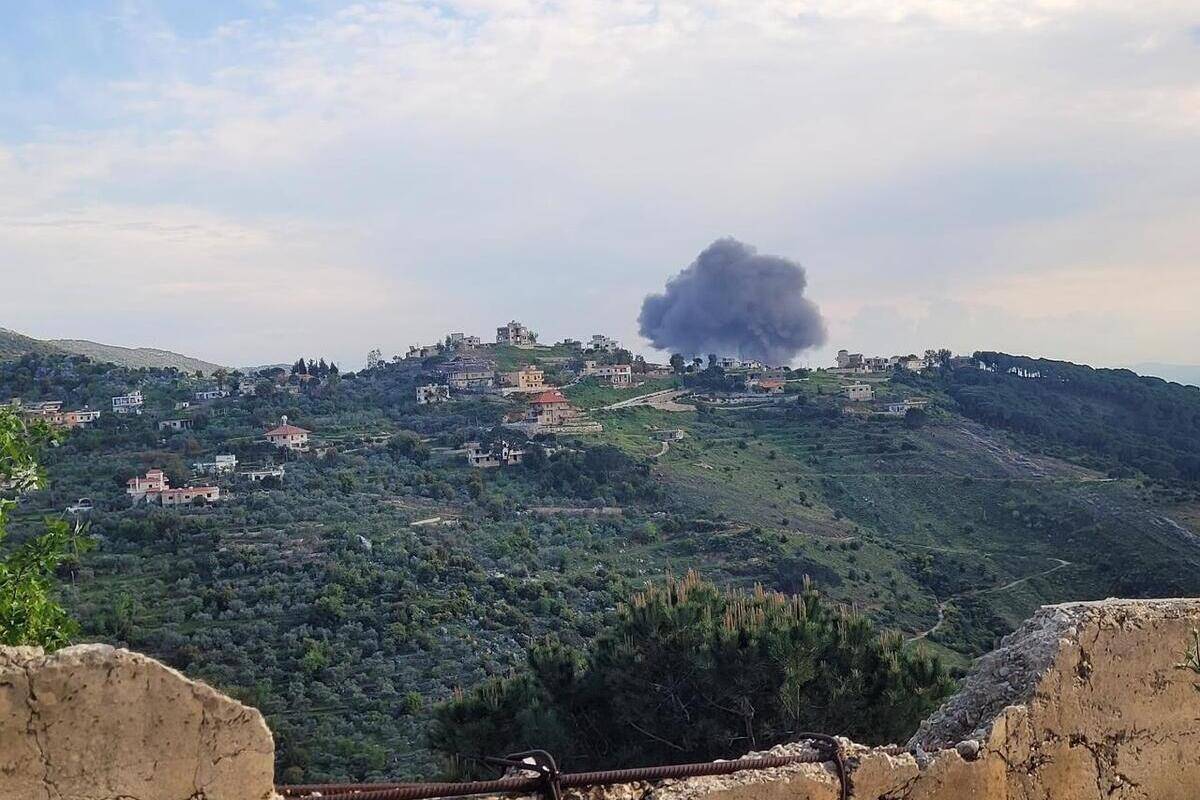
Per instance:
x=688, y=672
x=29, y=614
x=1191, y=657
x=1121, y=420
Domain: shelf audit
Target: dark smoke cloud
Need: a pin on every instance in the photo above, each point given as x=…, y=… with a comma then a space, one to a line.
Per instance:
x=733, y=302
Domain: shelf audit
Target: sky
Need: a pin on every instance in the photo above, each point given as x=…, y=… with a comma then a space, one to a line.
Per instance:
x=247, y=181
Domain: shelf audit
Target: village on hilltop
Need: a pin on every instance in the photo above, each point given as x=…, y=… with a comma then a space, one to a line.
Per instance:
x=533, y=382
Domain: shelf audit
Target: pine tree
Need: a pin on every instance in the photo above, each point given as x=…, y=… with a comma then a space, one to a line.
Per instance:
x=690, y=672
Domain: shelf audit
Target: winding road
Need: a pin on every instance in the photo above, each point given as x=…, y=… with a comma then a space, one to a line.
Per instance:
x=941, y=606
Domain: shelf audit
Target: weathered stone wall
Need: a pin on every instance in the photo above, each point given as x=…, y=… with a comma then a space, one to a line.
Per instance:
x=1083, y=702
x=95, y=723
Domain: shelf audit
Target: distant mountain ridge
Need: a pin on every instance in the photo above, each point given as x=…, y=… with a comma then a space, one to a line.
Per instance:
x=14, y=345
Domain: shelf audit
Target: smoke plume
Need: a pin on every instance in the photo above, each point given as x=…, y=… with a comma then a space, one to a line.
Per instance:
x=734, y=302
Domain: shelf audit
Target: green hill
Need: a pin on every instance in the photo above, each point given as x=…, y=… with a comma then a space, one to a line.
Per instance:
x=134, y=356
x=372, y=582
x=14, y=345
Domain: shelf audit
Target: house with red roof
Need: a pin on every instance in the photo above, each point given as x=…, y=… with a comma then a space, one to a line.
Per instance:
x=550, y=409
x=289, y=436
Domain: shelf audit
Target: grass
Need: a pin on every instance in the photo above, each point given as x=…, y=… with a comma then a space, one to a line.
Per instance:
x=590, y=394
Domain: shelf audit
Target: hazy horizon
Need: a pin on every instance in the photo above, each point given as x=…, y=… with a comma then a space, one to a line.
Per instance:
x=244, y=181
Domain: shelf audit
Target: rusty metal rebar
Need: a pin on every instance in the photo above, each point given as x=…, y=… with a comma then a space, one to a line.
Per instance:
x=828, y=749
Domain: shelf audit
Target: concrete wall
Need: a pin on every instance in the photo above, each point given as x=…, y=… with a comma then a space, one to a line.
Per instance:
x=95, y=723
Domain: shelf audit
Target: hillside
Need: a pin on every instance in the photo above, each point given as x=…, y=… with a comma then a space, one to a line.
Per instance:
x=372, y=582
x=1188, y=374
x=134, y=357
x=14, y=345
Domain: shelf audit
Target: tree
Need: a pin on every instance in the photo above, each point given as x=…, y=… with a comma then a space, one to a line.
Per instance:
x=677, y=363
x=29, y=615
x=689, y=672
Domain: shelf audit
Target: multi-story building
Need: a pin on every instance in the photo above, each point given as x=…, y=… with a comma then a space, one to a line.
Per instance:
x=550, y=409
x=422, y=351
x=497, y=454
x=469, y=375
x=152, y=482
x=433, y=393
x=42, y=408
x=853, y=362
x=288, y=436
x=84, y=416
x=51, y=412
x=527, y=378
x=515, y=333
x=247, y=387
x=603, y=343
x=618, y=375
x=128, y=403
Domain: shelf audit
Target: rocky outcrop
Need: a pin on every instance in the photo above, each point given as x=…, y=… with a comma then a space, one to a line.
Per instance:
x=96, y=723
x=1084, y=702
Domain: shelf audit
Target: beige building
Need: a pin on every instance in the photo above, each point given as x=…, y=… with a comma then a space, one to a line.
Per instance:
x=528, y=377
x=152, y=482
x=858, y=392
x=289, y=436
x=550, y=409
x=618, y=375
x=188, y=495
x=469, y=375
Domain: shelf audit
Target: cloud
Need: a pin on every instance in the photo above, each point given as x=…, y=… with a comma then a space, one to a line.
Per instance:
x=509, y=156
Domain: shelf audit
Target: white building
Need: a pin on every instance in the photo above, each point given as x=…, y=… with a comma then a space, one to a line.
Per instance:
x=175, y=425
x=618, y=375
x=221, y=464
x=128, y=403
x=257, y=475
x=433, y=393
x=247, y=387
x=603, y=343
x=212, y=394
